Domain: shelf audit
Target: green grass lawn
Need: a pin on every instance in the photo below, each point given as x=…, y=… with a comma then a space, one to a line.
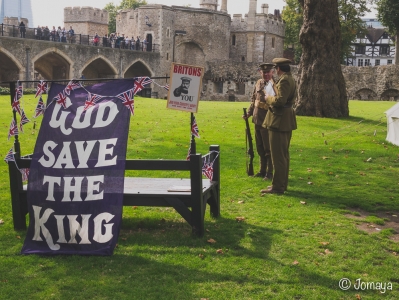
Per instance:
x=295, y=246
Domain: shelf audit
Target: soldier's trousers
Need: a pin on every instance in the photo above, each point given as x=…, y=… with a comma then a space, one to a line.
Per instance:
x=263, y=149
x=279, y=147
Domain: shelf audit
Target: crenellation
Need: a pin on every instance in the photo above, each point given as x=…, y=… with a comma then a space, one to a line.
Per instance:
x=86, y=20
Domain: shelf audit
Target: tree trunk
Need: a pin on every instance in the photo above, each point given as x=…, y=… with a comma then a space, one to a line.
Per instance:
x=321, y=84
x=397, y=48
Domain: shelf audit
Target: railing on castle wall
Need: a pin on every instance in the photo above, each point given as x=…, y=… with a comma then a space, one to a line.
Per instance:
x=80, y=39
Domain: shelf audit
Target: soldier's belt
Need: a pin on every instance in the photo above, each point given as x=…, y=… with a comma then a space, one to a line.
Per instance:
x=261, y=105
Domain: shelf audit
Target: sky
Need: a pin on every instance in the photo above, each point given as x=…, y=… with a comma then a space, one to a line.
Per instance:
x=51, y=12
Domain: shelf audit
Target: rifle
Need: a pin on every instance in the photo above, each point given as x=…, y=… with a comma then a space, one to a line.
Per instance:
x=249, y=146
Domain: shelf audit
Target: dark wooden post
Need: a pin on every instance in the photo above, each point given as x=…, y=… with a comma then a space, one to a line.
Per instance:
x=18, y=211
x=192, y=145
x=198, y=205
x=215, y=202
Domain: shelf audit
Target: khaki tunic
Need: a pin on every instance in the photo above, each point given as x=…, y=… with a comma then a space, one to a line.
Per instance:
x=280, y=121
x=258, y=110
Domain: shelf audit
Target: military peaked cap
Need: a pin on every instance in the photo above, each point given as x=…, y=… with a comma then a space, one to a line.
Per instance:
x=185, y=79
x=281, y=61
x=266, y=67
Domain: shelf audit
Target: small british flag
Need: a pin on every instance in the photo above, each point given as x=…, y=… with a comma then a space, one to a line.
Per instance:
x=40, y=108
x=189, y=153
x=166, y=87
x=72, y=85
x=194, y=129
x=13, y=129
x=61, y=99
x=207, y=170
x=91, y=101
x=16, y=104
x=139, y=84
x=18, y=91
x=25, y=173
x=41, y=88
x=23, y=121
x=10, y=155
x=128, y=100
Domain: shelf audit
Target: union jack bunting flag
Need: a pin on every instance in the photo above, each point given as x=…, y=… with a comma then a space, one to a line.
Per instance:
x=139, y=83
x=194, y=129
x=61, y=99
x=40, y=108
x=18, y=91
x=207, y=170
x=91, y=100
x=166, y=87
x=13, y=129
x=41, y=88
x=23, y=121
x=10, y=156
x=25, y=173
x=189, y=153
x=16, y=104
x=72, y=85
x=128, y=100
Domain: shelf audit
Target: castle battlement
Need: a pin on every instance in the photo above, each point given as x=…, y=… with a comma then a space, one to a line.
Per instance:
x=85, y=14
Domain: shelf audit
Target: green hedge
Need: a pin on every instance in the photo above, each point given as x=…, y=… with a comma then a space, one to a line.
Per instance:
x=6, y=91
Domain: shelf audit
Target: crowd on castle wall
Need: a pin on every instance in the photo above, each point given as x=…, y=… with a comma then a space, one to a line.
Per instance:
x=61, y=34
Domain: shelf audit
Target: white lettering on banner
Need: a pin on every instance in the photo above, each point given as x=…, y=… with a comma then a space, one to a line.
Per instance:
x=98, y=221
x=93, y=185
x=113, y=111
x=75, y=189
x=47, y=147
x=51, y=180
x=65, y=156
x=104, y=151
x=75, y=228
x=109, y=106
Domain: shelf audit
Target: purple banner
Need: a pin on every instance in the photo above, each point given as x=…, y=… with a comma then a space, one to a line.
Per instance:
x=75, y=187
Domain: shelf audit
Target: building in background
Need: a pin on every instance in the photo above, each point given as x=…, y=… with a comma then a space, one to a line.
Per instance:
x=230, y=49
x=13, y=11
x=376, y=48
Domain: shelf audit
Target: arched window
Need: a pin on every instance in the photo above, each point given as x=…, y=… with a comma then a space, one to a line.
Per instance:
x=242, y=58
x=233, y=39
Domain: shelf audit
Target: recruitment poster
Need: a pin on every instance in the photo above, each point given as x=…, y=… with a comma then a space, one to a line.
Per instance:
x=185, y=87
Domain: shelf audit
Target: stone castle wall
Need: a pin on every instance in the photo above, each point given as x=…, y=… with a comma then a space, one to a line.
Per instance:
x=86, y=20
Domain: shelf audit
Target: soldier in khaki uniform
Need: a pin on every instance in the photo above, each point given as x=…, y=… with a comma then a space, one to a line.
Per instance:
x=280, y=121
x=258, y=110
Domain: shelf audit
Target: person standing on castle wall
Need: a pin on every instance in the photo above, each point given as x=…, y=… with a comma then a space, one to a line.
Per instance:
x=71, y=34
x=280, y=121
x=96, y=39
x=38, y=32
x=63, y=35
x=46, y=33
x=258, y=110
x=144, y=45
x=59, y=32
x=53, y=33
x=138, y=43
x=22, y=29
x=132, y=43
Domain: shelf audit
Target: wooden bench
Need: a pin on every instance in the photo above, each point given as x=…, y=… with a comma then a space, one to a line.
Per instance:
x=181, y=194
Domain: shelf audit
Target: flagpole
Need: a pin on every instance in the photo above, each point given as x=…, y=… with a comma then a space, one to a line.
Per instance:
x=17, y=147
x=192, y=145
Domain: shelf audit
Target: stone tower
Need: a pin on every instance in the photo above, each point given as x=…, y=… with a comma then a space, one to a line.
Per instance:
x=17, y=9
x=251, y=29
x=209, y=4
x=86, y=20
x=223, y=8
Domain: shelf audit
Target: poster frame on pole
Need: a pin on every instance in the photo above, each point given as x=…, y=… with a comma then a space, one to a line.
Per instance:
x=173, y=102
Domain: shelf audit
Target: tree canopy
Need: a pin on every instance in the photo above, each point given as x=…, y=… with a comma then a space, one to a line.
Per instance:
x=350, y=14
x=113, y=11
